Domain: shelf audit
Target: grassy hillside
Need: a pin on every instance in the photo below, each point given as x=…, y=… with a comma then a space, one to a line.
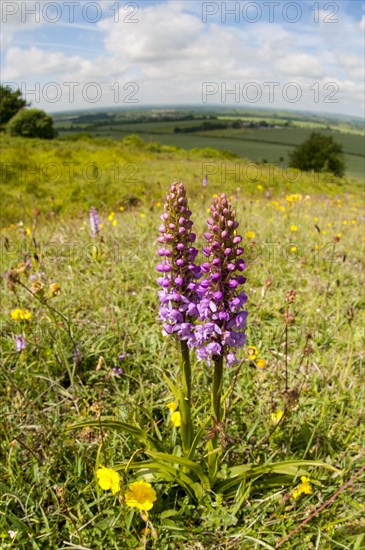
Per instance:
x=70, y=176
x=95, y=348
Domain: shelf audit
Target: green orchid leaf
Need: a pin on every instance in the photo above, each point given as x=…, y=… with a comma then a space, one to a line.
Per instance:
x=189, y=464
x=119, y=425
x=165, y=472
x=285, y=469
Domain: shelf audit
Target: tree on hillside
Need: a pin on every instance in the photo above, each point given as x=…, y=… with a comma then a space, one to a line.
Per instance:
x=31, y=123
x=10, y=103
x=319, y=153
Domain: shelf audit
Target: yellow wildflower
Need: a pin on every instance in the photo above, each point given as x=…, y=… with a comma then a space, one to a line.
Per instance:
x=261, y=363
x=114, y=222
x=111, y=216
x=305, y=487
x=250, y=234
x=171, y=406
x=277, y=416
x=121, y=208
x=21, y=267
x=252, y=352
x=108, y=479
x=54, y=289
x=140, y=495
x=293, y=249
x=259, y=187
x=21, y=314
x=176, y=419
x=293, y=228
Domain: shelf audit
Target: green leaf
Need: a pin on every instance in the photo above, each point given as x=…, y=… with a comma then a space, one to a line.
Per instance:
x=165, y=472
x=260, y=542
x=106, y=422
x=198, y=436
x=172, y=387
x=291, y=468
x=193, y=466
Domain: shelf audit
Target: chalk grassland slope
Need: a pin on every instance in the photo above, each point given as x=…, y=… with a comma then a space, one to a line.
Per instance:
x=104, y=354
x=69, y=177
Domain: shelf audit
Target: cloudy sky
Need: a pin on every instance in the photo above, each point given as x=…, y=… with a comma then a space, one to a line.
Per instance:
x=302, y=55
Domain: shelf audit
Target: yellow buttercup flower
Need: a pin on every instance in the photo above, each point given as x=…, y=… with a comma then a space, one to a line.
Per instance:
x=250, y=234
x=140, y=495
x=111, y=216
x=293, y=249
x=252, y=352
x=277, y=416
x=293, y=228
x=108, y=479
x=21, y=314
x=171, y=406
x=261, y=363
x=305, y=487
x=176, y=419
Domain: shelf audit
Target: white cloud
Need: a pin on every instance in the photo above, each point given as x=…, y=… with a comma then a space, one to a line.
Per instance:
x=170, y=52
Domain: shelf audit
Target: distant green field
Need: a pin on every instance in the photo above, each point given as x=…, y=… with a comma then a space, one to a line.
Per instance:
x=258, y=144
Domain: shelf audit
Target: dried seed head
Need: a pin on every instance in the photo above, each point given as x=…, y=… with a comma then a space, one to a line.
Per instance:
x=290, y=296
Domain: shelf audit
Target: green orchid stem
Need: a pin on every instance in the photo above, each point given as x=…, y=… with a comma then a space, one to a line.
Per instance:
x=217, y=388
x=187, y=434
x=213, y=444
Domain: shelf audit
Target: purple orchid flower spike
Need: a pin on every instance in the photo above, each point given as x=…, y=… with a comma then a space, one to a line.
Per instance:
x=178, y=270
x=222, y=320
x=94, y=222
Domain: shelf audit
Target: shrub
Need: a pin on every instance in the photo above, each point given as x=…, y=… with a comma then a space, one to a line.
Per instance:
x=31, y=123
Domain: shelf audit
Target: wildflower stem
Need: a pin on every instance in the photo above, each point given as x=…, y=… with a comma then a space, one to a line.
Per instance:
x=217, y=388
x=216, y=418
x=185, y=400
x=186, y=370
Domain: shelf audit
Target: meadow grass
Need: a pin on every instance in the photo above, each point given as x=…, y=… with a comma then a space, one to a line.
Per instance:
x=70, y=368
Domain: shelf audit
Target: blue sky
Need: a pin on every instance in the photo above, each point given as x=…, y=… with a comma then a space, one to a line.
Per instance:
x=302, y=55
